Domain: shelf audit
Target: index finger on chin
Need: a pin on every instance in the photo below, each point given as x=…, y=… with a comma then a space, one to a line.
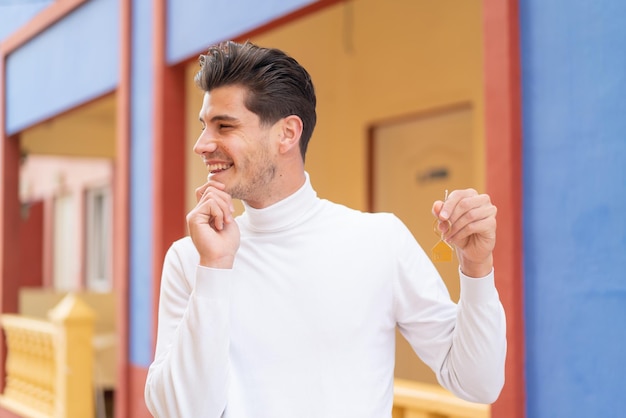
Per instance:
x=200, y=191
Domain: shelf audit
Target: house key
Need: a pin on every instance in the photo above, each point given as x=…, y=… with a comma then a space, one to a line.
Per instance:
x=442, y=251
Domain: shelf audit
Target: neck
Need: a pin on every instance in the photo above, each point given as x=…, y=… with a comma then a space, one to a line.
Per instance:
x=286, y=183
x=284, y=213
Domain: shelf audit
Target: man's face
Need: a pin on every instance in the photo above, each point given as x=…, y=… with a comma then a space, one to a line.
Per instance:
x=235, y=147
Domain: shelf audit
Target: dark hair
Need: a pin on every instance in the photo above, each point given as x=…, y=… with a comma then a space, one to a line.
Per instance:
x=277, y=85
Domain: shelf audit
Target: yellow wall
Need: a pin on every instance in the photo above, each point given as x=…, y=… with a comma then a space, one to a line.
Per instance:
x=371, y=60
x=88, y=131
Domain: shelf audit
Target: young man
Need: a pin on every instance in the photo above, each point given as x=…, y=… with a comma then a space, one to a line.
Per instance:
x=290, y=310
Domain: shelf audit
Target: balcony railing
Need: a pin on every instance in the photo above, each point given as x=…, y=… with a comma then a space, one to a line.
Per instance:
x=422, y=400
x=49, y=364
x=50, y=371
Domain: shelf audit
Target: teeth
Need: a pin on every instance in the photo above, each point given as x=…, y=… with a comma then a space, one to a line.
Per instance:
x=213, y=168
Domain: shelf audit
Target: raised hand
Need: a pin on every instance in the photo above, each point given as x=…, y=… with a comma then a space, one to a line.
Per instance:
x=212, y=227
x=472, y=229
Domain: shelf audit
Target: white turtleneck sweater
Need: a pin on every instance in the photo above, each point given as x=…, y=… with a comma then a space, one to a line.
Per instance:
x=303, y=325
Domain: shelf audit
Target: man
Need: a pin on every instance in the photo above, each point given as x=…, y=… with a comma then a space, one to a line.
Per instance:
x=290, y=310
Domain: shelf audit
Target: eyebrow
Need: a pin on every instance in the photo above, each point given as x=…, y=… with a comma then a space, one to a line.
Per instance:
x=218, y=118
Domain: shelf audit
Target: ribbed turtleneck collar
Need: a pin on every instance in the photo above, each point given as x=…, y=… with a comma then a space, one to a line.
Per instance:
x=282, y=214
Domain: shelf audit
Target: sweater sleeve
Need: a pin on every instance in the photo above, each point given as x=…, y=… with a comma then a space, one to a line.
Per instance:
x=190, y=371
x=474, y=367
x=464, y=343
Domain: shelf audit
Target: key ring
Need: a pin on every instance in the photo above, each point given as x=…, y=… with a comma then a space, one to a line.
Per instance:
x=442, y=251
x=436, y=228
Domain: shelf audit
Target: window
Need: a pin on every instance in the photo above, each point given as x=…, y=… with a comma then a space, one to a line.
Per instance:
x=65, y=263
x=98, y=239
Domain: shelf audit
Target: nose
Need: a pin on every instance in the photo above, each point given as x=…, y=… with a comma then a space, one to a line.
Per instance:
x=206, y=143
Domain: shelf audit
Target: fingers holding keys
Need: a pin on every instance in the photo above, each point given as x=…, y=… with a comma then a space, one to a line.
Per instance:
x=466, y=210
x=467, y=220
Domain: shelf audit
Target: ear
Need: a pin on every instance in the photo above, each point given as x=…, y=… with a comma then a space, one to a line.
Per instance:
x=291, y=130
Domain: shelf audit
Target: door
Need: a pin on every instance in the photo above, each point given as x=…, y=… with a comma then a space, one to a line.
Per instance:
x=31, y=244
x=415, y=160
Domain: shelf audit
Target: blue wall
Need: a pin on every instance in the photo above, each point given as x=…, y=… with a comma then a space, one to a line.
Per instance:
x=69, y=63
x=195, y=24
x=574, y=133
x=141, y=185
x=13, y=15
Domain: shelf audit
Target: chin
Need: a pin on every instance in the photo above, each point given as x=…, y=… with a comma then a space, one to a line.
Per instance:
x=219, y=176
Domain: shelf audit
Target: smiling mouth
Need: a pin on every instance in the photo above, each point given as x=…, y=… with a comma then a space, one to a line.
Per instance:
x=218, y=168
